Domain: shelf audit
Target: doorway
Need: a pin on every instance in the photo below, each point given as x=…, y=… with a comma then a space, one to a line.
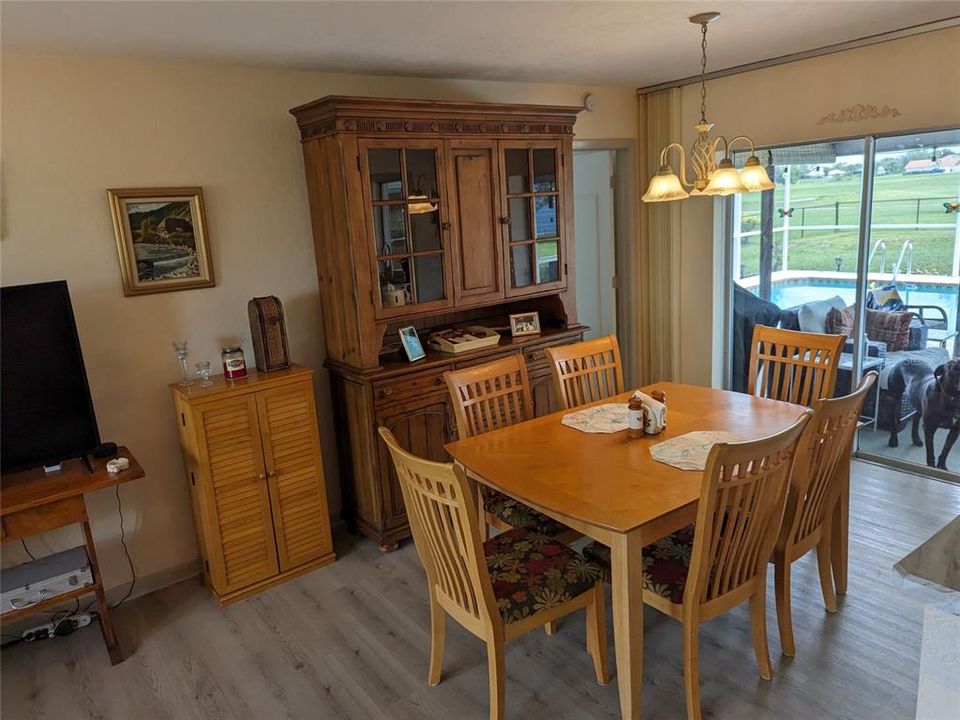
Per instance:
x=594, y=182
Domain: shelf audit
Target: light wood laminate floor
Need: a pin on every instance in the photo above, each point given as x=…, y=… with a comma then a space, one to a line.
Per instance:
x=351, y=641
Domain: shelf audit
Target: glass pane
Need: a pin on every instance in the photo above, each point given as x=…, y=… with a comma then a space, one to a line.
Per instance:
x=422, y=173
x=544, y=170
x=546, y=216
x=548, y=261
x=424, y=227
x=518, y=171
x=389, y=229
x=395, y=282
x=915, y=267
x=795, y=247
x=429, y=272
x=384, y=174
x=520, y=219
x=521, y=265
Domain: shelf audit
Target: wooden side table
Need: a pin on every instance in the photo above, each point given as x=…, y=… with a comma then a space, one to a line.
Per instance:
x=32, y=502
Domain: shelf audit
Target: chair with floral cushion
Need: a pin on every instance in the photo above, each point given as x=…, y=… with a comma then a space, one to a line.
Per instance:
x=796, y=367
x=705, y=569
x=498, y=589
x=491, y=396
x=587, y=371
x=826, y=442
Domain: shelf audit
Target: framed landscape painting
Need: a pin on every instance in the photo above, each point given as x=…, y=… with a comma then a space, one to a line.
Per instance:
x=161, y=239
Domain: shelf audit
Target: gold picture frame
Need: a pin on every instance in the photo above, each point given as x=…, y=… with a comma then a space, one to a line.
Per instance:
x=526, y=323
x=161, y=239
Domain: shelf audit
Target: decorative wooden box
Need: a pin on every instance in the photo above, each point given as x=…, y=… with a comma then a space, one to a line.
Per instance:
x=269, y=333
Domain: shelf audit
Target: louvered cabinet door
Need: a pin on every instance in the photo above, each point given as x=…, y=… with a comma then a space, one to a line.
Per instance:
x=236, y=493
x=288, y=425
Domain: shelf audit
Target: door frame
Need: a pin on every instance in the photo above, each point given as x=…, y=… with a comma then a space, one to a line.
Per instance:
x=626, y=254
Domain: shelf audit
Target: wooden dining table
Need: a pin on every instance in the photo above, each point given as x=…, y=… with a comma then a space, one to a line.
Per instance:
x=608, y=487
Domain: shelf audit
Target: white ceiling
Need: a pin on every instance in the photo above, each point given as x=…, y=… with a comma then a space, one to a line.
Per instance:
x=616, y=43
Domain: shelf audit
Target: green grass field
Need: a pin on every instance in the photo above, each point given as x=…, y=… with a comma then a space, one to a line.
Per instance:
x=895, y=201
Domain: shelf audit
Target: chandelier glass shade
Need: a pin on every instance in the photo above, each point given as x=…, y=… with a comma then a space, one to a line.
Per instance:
x=710, y=177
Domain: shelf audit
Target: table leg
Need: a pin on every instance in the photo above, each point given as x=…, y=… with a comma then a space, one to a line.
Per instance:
x=841, y=528
x=103, y=610
x=627, y=587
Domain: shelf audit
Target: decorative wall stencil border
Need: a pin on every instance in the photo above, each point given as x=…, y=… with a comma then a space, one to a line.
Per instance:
x=442, y=127
x=859, y=112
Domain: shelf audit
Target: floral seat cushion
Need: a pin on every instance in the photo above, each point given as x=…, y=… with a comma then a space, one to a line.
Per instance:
x=517, y=515
x=532, y=572
x=665, y=563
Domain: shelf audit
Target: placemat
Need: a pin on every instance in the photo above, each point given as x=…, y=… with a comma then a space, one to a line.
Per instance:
x=609, y=418
x=690, y=451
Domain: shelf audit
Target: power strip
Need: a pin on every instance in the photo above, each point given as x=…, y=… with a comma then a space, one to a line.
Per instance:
x=62, y=627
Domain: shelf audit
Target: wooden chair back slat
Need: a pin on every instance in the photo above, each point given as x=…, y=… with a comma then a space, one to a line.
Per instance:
x=490, y=396
x=792, y=366
x=443, y=522
x=826, y=441
x=741, y=508
x=586, y=372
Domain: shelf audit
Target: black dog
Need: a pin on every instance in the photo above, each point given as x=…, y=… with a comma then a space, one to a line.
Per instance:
x=935, y=395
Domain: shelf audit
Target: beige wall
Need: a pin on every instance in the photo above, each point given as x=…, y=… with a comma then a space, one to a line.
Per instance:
x=74, y=126
x=920, y=76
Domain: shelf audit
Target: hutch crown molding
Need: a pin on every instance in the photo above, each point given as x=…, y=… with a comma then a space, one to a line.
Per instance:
x=431, y=214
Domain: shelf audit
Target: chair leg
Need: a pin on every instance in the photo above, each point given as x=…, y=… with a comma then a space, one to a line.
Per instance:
x=781, y=583
x=691, y=668
x=496, y=669
x=437, y=635
x=826, y=576
x=758, y=618
x=597, y=635
x=550, y=628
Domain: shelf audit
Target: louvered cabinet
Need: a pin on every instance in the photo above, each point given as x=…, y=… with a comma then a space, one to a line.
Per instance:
x=253, y=460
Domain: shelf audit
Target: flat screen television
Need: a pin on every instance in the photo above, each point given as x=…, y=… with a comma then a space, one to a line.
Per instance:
x=46, y=413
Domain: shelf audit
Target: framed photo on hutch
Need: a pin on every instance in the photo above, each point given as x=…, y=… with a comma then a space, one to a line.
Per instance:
x=527, y=323
x=412, y=346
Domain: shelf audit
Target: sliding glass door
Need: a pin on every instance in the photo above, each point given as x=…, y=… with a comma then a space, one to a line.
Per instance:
x=863, y=220
x=912, y=298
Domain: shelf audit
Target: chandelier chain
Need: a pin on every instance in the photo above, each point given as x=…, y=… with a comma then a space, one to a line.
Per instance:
x=703, y=73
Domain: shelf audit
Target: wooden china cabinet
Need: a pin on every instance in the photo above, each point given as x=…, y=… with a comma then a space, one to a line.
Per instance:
x=432, y=214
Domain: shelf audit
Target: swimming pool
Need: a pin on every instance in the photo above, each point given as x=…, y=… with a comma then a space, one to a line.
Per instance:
x=790, y=293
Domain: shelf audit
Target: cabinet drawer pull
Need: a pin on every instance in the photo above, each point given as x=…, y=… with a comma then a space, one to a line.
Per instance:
x=536, y=355
x=386, y=391
x=439, y=380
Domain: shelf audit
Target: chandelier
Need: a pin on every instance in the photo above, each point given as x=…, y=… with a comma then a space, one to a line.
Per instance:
x=711, y=178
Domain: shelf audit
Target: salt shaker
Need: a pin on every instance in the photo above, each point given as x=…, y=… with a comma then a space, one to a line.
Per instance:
x=636, y=418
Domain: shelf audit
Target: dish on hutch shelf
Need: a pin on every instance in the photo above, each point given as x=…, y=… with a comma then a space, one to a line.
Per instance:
x=463, y=339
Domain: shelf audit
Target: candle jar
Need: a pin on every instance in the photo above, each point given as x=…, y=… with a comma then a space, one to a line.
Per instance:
x=234, y=364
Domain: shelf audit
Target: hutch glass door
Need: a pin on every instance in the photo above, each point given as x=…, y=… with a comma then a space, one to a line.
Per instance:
x=407, y=206
x=532, y=187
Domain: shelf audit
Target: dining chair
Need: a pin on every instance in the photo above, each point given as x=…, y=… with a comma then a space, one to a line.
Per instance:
x=491, y=396
x=714, y=565
x=498, y=589
x=796, y=367
x=587, y=371
x=813, y=492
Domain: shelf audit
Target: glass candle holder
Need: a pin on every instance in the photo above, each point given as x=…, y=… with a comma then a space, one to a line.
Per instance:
x=180, y=352
x=204, y=370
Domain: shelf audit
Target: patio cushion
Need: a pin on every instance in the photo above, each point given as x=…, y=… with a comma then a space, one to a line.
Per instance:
x=812, y=317
x=839, y=321
x=893, y=328
x=517, y=515
x=665, y=563
x=531, y=572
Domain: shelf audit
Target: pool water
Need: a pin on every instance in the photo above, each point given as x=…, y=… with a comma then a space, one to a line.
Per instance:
x=790, y=293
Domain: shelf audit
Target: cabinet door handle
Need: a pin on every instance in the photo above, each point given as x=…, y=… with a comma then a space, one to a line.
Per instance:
x=505, y=220
x=444, y=226
x=262, y=476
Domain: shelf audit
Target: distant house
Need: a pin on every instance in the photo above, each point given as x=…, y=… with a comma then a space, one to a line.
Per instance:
x=950, y=163
x=170, y=225
x=919, y=166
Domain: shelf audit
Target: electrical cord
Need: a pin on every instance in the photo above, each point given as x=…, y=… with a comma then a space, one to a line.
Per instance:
x=126, y=551
x=23, y=541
